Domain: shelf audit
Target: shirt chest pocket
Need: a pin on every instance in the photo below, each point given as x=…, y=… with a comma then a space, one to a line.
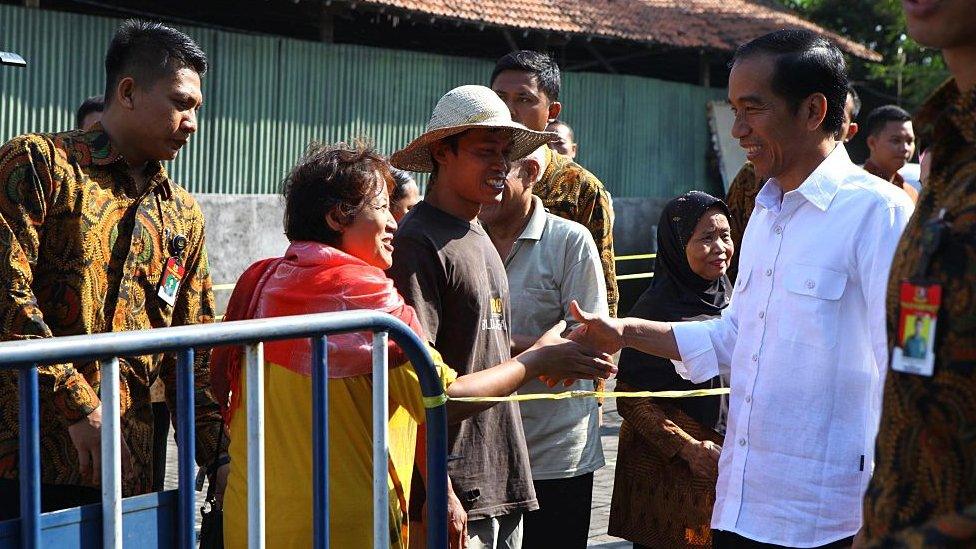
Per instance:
x=811, y=310
x=543, y=304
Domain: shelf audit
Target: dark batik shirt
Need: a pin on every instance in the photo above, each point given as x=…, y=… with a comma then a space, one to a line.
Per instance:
x=572, y=193
x=926, y=447
x=741, y=200
x=82, y=251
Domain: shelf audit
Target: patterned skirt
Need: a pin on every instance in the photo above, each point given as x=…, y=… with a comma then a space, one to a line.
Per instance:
x=657, y=501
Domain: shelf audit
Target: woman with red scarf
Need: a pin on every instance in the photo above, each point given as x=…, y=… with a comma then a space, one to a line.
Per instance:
x=338, y=220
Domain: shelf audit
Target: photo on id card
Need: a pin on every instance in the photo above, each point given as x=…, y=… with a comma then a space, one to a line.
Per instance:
x=914, y=353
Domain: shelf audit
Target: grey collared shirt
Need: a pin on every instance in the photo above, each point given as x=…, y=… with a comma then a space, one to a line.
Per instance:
x=553, y=262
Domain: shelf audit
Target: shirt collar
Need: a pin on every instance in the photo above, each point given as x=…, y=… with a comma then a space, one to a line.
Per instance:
x=819, y=188
x=95, y=147
x=537, y=221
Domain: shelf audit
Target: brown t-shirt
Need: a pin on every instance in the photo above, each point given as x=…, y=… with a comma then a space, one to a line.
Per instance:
x=448, y=270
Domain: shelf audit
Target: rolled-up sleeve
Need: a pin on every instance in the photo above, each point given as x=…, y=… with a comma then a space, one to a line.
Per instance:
x=705, y=346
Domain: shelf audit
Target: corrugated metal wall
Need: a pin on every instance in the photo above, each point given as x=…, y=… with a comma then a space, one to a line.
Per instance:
x=267, y=97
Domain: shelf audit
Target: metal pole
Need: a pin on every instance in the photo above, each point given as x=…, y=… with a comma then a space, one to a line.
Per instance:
x=436, y=473
x=381, y=413
x=254, y=358
x=320, y=441
x=30, y=460
x=111, y=456
x=187, y=444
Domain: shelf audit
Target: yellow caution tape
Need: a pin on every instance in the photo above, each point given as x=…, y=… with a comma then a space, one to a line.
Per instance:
x=633, y=257
x=435, y=401
x=592, y=394
x=635, y=276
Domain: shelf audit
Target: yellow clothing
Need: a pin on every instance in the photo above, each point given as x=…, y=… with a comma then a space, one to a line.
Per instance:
x=288, y=457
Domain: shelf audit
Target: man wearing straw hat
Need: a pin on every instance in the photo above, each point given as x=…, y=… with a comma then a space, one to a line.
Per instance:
x=445, y=265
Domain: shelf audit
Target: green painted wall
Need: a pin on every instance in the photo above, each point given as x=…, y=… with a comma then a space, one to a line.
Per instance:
x=267, y=97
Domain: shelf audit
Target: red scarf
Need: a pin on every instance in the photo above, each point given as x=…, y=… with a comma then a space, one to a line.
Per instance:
x=310, y=278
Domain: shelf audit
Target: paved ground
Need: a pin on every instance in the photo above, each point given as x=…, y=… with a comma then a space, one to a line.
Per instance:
x=602, y=483
x=603, y=480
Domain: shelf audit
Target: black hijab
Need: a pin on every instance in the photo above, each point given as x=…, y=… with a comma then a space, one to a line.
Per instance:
x=677, y=294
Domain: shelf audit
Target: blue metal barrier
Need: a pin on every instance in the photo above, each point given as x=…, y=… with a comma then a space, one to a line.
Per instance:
x=36, y=529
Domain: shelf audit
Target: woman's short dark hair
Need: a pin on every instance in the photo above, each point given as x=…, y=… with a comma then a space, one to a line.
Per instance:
x=804, y=63
x=340, y=179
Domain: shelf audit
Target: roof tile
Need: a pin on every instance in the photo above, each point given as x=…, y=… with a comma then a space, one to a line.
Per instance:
x=711, y=24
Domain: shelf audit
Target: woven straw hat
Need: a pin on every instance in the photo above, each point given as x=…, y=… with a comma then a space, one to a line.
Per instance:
x=462, y=109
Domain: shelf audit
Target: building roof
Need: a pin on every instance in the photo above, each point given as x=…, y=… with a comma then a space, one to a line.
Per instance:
x=704, y=24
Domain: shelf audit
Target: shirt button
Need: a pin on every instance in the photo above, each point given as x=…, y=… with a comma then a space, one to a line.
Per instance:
x=769, y=272
x=811, y=284
x=755, y=357
x=762, y=314
x=778, y=230
x=742, y=442
x=748, y=399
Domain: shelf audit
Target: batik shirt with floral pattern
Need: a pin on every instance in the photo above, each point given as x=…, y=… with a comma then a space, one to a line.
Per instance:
x=571, y=192
x=741, y=200
x=926, y=448
x=82, y=251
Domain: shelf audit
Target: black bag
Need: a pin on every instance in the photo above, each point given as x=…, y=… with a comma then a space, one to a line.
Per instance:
x=212, y=525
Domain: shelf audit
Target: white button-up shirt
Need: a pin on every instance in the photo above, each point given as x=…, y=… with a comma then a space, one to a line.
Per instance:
x=804, y=340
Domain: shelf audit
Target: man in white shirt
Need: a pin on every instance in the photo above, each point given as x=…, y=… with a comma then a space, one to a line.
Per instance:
x=550, y=261
x=804, y=336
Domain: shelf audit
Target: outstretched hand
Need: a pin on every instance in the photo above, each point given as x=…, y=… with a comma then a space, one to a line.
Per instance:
x=559, y=358
x=601, y=333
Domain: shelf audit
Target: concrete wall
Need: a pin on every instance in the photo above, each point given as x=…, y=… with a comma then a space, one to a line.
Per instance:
x=634, y=232
x=242, y=229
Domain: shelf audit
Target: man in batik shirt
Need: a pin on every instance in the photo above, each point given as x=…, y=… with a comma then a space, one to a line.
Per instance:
x=95, y=237
x=922, y=493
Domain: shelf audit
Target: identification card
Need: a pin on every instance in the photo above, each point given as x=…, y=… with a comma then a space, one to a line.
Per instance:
x=169, y=284
x=914, y=351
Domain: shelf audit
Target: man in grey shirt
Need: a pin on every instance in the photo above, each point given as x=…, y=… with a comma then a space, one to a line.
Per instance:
x=550, y=261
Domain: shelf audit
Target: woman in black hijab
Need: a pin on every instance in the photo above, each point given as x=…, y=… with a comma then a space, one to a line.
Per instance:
x=667, y=459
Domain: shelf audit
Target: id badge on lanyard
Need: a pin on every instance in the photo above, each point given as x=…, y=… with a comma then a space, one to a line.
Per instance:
x=173, y=271
x=919, y=300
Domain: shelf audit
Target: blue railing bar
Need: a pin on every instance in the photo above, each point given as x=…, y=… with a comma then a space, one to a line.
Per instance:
x=56, y=350
x=320, y=441
x=254, y=361
x=111, y=455
x=134, y=343
x=30, y=460
x=430, y=386
x=186, y=439
x=381, y=450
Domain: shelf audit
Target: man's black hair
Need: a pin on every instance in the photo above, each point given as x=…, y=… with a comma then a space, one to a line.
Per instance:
x=544, y=68
x=452, y=142
x=558, y=122
x=401, y=179
x=95, y=103
x=879, y=117
x=805, y=63
x=148, y=51
x=856, y=100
